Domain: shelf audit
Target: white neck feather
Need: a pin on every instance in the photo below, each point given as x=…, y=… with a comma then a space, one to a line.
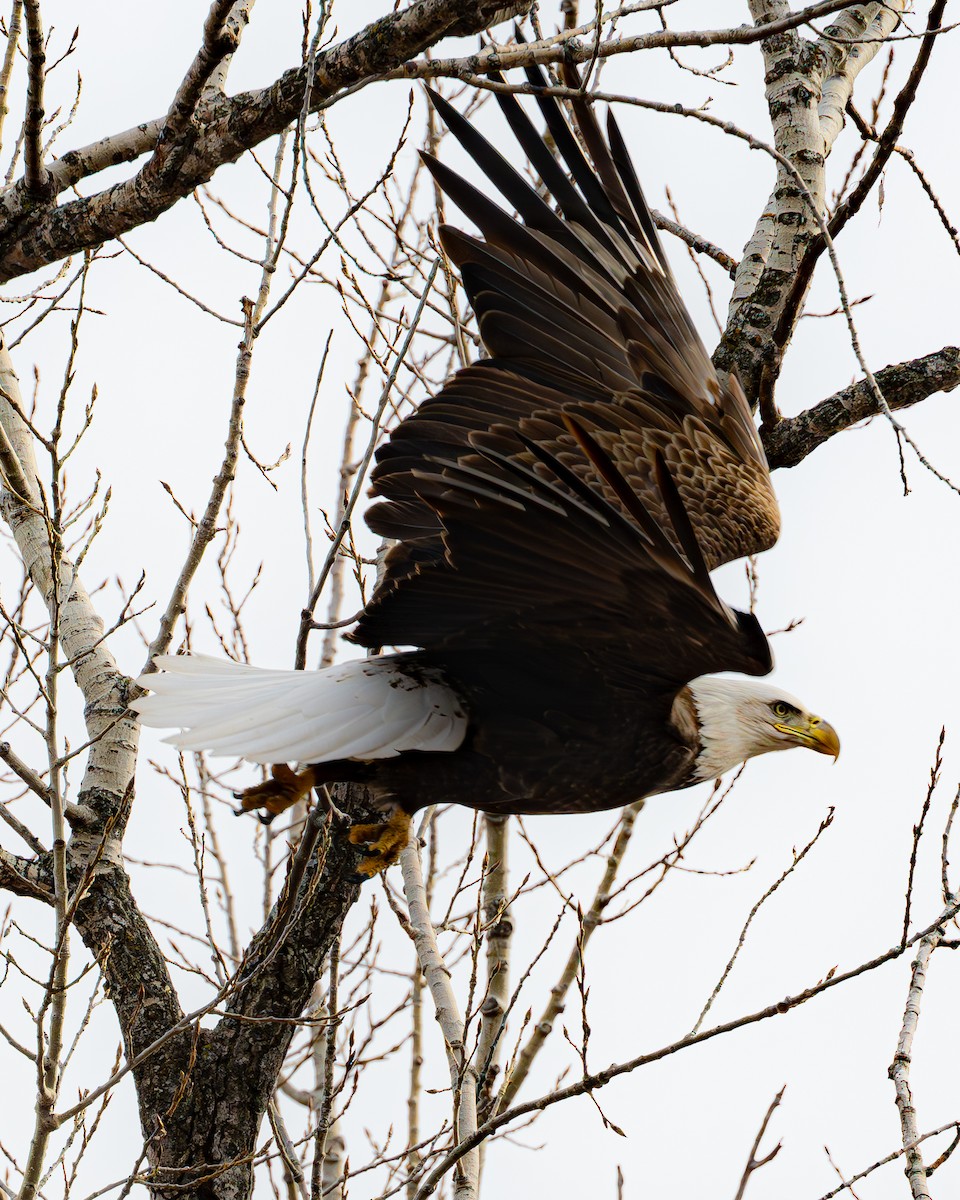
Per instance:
x=735, y=724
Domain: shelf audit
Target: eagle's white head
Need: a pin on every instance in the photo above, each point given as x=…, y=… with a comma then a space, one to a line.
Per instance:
x=740, y=718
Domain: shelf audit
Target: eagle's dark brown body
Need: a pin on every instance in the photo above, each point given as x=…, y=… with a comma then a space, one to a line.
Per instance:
x=552, y=515
x=555, y=510
x=536, y=735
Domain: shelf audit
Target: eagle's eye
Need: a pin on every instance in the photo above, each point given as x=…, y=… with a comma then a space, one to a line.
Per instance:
x=782, y=709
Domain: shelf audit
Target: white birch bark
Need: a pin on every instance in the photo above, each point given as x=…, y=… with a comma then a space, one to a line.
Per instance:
x=235, y=23
x=873, y=22
x=463, y=1074
x=804, y=132
x=499, y=931
x=899, y=1071
x=792, y=91
x=111, y=758
x=807, y=87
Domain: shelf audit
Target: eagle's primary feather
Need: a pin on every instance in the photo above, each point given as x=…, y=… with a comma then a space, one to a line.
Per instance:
x=554, y=513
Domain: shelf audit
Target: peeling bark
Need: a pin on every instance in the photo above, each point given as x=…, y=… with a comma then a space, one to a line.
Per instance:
x=792, y=77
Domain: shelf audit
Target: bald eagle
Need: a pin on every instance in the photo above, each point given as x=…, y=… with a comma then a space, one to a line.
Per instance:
x=553, y=515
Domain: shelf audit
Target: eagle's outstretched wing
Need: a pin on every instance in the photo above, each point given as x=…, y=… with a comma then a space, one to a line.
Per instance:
x=599, y=399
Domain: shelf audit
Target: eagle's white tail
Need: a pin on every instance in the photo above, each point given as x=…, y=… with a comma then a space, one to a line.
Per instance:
x=366, y=709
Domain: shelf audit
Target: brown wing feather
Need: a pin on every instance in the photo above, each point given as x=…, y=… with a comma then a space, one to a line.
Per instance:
x=591, y=346
x=535, y=558
x=580, y=314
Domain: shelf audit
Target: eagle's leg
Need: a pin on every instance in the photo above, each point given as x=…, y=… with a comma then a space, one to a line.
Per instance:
x=277, y=794
x=382, y=844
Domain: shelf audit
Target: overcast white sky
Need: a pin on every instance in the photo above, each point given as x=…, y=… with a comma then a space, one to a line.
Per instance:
x=873, y=574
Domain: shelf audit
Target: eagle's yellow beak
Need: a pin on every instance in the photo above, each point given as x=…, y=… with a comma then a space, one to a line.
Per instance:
x=813, y=732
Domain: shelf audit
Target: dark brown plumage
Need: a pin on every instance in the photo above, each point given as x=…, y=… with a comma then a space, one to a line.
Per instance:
x=542, y=503
x=554, y=512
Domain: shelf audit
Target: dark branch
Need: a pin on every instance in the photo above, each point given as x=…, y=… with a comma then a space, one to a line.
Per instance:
x=116, y=933
x=222, y=1107
x=31, y=238
x=903, y=384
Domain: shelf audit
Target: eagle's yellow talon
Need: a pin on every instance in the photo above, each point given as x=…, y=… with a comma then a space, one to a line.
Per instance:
x=280, y=792
x=381, y=844
x=361, y=834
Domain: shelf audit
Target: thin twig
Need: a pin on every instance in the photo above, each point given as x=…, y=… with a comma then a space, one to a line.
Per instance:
x=361, y=474
x=590, y=922
x=797, y=860
x=207, y=526
x=754, y=1163
x=918, y=829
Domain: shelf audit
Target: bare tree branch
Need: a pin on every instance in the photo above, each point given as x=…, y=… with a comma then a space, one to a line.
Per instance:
x=498, y=923
x=463, y=1074
x=572, y=46
x=754, y=1163
x=904, y=384
x=848, y=45
x=797, y=71
x=219, y=40
x=30, y=239
x=27, y=239
x=591, y=1082
x=205, y=1078
x=899, y=1071
x=34, y=172
x=558, y=993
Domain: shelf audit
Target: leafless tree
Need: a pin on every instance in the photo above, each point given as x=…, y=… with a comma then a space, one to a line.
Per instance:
x=246, y=1056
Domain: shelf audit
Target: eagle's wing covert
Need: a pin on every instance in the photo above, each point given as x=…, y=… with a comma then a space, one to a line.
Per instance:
x=536, y=560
